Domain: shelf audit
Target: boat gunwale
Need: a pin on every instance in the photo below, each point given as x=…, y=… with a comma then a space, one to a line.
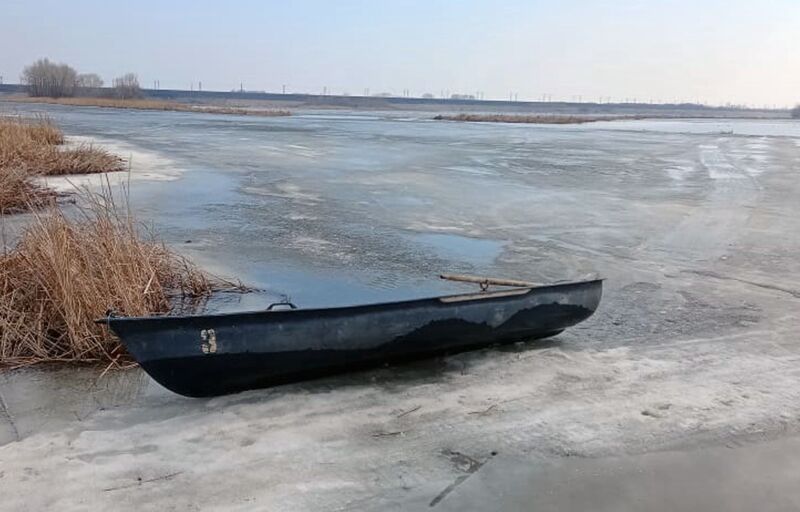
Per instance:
x=333, y=309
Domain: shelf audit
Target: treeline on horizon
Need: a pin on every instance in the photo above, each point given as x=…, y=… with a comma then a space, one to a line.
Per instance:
x=44, y=78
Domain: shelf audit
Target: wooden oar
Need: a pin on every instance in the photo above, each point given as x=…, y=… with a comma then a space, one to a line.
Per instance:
x=486, y=281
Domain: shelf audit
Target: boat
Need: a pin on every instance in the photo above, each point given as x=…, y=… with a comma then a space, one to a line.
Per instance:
x=210, y=355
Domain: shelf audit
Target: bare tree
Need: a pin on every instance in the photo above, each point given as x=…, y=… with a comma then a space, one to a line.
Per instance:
x=127, y=86
x=796, y=112
x=89, y=81
x=45, y=78
x=89, y=84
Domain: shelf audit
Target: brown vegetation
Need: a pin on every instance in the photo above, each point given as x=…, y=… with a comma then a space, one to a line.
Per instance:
x=65, y=273
x=82, y=159
x=31, y=147
x=145, y=104
x=36, y=146
x=18, y=192
x=530, y=119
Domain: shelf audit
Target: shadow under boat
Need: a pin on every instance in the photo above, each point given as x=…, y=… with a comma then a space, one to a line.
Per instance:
x=209, y=355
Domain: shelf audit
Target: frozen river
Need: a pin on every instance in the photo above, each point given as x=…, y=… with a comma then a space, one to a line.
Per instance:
x=694, y=224
x=345, y=208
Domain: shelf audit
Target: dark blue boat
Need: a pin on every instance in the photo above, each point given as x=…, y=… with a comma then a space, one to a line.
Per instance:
x=217, y=354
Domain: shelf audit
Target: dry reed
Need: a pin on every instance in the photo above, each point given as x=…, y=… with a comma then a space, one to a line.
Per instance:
x=65, y=272
x=530, y=119
x=34, y=146
x=145, y=104
x=18, y=192
x=81, y=159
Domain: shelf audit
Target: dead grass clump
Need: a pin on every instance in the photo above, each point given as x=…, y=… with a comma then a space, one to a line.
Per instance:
x=18, y=192
x=39, y=129
x=23, y=140
x=237, y=111
x=82, y=159
x=66, y=272
x=34, y=146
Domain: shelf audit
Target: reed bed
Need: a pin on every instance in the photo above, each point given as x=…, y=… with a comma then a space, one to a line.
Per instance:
x=18, y=192
x=34, y=146
x=530, y=119
x=81, y=159
x=66, y=272
x=147, y=104
x=38, y=129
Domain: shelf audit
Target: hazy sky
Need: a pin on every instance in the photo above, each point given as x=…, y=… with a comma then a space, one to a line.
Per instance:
x=739, y=51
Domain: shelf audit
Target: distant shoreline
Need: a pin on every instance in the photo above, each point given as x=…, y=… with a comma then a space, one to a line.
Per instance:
x=450, y=106
x=148, y=104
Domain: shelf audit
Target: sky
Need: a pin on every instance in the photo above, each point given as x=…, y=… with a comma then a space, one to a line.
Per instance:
x=709, y=51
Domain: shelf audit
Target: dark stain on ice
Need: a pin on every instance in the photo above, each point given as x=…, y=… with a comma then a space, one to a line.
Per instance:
x=463, y=463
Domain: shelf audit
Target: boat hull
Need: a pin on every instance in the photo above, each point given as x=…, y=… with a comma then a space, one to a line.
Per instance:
x=218, y=354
